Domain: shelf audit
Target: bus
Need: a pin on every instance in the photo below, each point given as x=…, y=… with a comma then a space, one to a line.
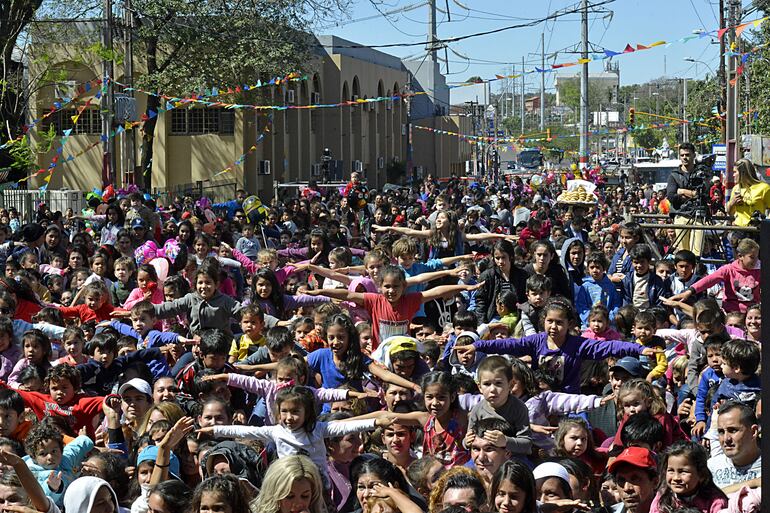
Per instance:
x=653, y=173
x=530, y=158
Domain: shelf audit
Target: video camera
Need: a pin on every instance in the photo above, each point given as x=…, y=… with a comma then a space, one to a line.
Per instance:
x=699, y=181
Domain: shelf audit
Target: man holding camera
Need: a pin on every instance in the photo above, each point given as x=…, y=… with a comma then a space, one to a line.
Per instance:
x=679, y=195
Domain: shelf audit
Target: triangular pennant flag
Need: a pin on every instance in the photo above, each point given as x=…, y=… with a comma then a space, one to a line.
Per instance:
x=246, y=88
x=119, y=130
x=214, y=91
x=745, y=57
x=740, y=28
x=75, y=118
x=499, y=77
x=759, y=21
x=584, y=61
x=642, y=47
x=67, y=132
x=629, y=49
x=721, y=33
x=152, y=114
x=610, y=53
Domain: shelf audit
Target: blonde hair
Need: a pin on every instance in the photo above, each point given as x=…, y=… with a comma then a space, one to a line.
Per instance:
x=747, y=173
x=267, y=254
x=746, y=246
x=172, y=411
x=279, y=479
x=647, y=391
x=679, y=368
x=404, y=247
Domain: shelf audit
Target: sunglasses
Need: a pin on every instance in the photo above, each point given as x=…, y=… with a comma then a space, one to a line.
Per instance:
x=6, y=311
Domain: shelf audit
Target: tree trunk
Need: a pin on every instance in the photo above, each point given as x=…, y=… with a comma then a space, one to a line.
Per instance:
x=153, y=103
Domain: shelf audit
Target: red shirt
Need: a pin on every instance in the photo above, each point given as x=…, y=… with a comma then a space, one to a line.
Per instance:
x=79, y=412
x=388, y=321
x=86, y=314
x=25, y=310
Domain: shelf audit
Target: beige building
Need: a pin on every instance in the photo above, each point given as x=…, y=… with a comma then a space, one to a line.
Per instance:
x=194, y=144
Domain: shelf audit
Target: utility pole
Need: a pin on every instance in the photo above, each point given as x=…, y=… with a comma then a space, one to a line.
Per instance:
x=584, y=91
x=721, y=71
x=686, y=124
x=542, y=82
x=434, y=70
x=129, y=151
x=733, y=108
x=107, y=104
x=521, y=104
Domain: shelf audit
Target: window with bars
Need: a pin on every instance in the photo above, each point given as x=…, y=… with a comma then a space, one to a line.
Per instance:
x=202, y=121
x=89, y=122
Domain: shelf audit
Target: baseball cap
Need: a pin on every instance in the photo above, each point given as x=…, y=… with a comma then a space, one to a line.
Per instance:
x=138, y=223
x=150, y=453
x=137, y=384
x=629, y=364
x=636, y=457
x=551, y=469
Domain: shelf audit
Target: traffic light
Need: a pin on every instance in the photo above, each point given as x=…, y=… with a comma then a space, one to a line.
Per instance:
x=631, y=117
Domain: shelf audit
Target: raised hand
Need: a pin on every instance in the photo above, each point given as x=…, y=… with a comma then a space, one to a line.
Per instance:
x=496, y=438
x=215, y=377
x=54, y=481
x=178, y=432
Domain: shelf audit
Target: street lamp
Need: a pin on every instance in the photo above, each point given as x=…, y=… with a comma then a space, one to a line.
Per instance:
x=696, y=61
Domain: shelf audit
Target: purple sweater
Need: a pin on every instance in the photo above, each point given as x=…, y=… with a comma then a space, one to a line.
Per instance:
x=563, y=363
x=269, y=389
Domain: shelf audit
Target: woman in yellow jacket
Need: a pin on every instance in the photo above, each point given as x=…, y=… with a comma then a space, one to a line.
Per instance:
x=750, y=193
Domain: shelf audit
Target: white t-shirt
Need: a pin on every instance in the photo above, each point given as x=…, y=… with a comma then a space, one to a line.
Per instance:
x=726, y=474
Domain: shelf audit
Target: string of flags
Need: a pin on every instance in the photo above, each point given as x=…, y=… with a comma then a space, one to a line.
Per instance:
x=215, y=91
x=173, y=102
x=607, y=54
x=56, y=106
x=251, y=149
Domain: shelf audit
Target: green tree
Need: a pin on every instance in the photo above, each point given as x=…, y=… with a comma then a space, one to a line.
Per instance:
x=648, y=138
x=188, y=46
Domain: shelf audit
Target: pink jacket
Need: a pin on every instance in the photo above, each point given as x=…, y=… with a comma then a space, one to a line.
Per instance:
x=137, y=295
x=741, y=286
x=714, y=503
x=608, y=334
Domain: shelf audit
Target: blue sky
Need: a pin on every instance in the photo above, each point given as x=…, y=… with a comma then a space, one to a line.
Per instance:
x=631, y=21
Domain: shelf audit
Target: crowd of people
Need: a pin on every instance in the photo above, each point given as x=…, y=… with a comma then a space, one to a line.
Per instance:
x=453, y=346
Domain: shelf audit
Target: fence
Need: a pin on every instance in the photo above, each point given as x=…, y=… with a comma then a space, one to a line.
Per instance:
x=217, y=193
x=27, y=202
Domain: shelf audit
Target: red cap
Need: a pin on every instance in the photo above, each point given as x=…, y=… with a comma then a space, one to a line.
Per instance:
x=186, y=215
x=635, y=456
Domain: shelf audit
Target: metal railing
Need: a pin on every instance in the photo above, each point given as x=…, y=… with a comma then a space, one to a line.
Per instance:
x=27, y=202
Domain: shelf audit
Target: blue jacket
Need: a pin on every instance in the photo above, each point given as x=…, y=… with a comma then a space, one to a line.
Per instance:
x=97, y=378
x=626, y=269
x=72, y=456
x=154, y=338
x=656, y=288
x=707, y=380
x=231, y=207
x=744, y=391
x=594, y=293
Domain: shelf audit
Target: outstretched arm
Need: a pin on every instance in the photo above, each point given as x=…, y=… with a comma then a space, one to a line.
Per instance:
x=341, y=294
x=435, y=275
x=447, y=291
x=328, y=273
x=423, y=234
x=385, y=375
x=488, y=236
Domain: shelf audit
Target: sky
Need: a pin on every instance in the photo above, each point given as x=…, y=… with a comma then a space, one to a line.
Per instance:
x=630, y=21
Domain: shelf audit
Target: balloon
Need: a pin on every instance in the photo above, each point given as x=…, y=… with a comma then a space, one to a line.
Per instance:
x=209, y=228
x=161, y=268
x=573, y=166
x=211, y=217
x=535, y=182
x=109, y=192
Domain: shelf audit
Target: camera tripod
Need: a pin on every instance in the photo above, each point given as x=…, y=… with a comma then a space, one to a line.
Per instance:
x=698, y=221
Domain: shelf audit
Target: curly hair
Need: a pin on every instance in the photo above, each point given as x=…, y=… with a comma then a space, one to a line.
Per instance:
x=39, y=435
x=456, y=477
x=60, y=372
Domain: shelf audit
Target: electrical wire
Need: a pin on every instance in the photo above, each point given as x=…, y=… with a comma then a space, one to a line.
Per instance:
x=702, y=24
